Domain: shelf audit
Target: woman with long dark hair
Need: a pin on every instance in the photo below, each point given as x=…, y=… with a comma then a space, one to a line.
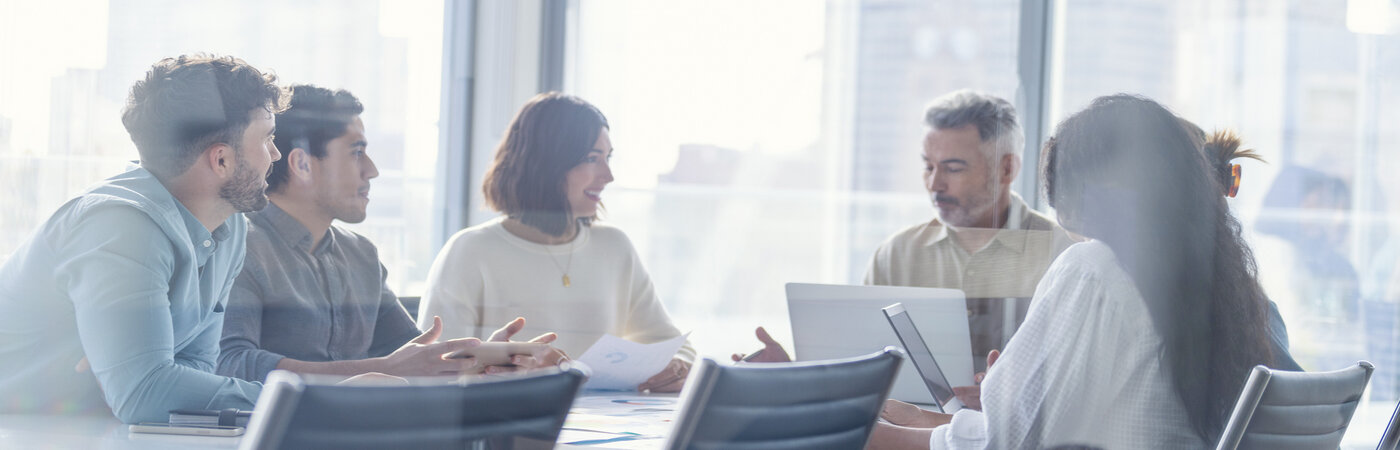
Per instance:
x=1143, y=335
x=548, y=259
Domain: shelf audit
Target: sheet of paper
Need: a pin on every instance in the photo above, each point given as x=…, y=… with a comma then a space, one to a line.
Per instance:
x=621, y=365
x=619, y=420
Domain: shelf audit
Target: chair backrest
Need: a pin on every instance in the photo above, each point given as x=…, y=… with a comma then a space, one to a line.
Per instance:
x=410, y=304
x=1295, y=410
x=1391, y=438
x=516, y=412
x=808, y=405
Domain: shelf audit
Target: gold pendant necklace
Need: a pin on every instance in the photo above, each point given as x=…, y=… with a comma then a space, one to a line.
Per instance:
x=565, y=269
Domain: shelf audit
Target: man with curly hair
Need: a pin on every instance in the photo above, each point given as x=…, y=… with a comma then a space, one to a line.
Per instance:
x=117, y=300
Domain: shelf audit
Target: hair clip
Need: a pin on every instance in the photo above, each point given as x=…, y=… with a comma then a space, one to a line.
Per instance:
x=1234, y=181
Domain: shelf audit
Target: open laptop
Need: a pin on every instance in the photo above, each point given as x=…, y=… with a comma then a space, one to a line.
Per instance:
x=923, y=359
x=839, y=321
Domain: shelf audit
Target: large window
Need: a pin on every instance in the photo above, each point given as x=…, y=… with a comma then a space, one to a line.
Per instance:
x=1312, y=89
x=760, y=143
x=61, y=98
x=766, y=142
x=775, y=141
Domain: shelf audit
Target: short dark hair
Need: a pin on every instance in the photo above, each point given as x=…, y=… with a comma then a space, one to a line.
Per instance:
x=187, y=103
x=316, y=116
x=550, y=135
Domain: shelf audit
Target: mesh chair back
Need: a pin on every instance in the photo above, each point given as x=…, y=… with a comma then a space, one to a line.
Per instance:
x=1295, y=410
x=524, y=412
x=809, y=405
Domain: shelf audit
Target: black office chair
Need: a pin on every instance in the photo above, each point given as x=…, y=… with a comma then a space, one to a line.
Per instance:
x=513, y=413
x=1391, y=438
x=806, y=405
x=1295, y=410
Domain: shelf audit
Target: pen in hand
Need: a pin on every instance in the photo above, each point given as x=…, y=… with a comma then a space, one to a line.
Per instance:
x=668, y=382
x=752, y=356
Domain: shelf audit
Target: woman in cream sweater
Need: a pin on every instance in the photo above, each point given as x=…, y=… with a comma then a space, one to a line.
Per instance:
x=549, y=259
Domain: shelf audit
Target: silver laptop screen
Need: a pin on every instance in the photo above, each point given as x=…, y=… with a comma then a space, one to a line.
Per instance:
x=919, y=354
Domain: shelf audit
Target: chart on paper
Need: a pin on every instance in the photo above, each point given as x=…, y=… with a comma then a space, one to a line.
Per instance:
x=617, y=364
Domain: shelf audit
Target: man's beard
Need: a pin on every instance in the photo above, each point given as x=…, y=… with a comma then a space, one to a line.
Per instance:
x=971, y=207
x=247, y=190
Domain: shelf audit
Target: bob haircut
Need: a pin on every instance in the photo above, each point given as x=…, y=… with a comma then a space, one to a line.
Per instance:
x=550, y=135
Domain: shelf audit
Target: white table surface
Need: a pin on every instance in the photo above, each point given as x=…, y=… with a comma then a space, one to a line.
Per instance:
x=26, y=431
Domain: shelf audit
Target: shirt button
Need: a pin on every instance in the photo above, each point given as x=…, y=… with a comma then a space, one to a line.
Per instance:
x=208, y=243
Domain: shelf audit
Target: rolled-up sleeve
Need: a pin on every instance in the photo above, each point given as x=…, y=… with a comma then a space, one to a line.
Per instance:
x=119, y=288
x=967, y=430
x=242, y=355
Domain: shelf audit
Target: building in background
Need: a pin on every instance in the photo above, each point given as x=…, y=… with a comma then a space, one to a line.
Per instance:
x=335, y=44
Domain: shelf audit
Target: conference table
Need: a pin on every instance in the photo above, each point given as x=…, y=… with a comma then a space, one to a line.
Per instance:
x=609, y=420
x=596, y=421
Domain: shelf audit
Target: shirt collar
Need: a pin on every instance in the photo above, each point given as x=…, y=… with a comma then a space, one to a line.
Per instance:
x=289, y=228
x=142, y=190
x=203, y=241
x=199, y=237
x=1012, y=235
x=941, y=235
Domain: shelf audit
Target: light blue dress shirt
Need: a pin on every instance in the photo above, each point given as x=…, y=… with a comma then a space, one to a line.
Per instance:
x=125, y=276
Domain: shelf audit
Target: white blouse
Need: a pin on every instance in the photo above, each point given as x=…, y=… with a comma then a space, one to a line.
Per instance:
x=1085, y=368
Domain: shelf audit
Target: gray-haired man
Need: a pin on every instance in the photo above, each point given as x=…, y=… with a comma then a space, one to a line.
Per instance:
x=984, y=239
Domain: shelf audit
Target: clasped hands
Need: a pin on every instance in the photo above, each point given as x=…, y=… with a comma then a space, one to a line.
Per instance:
x=425, y=356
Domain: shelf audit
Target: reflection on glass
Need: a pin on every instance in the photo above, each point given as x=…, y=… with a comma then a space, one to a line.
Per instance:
x=60, y=125
x=766, y=154
x=1304, y=211
x=1317, y=100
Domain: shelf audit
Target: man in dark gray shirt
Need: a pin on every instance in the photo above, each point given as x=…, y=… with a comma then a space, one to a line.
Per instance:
x=313, y=297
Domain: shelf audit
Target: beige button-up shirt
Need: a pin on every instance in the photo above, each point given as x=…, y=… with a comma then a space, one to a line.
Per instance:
x=1010, y=265
x=1001, y=275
